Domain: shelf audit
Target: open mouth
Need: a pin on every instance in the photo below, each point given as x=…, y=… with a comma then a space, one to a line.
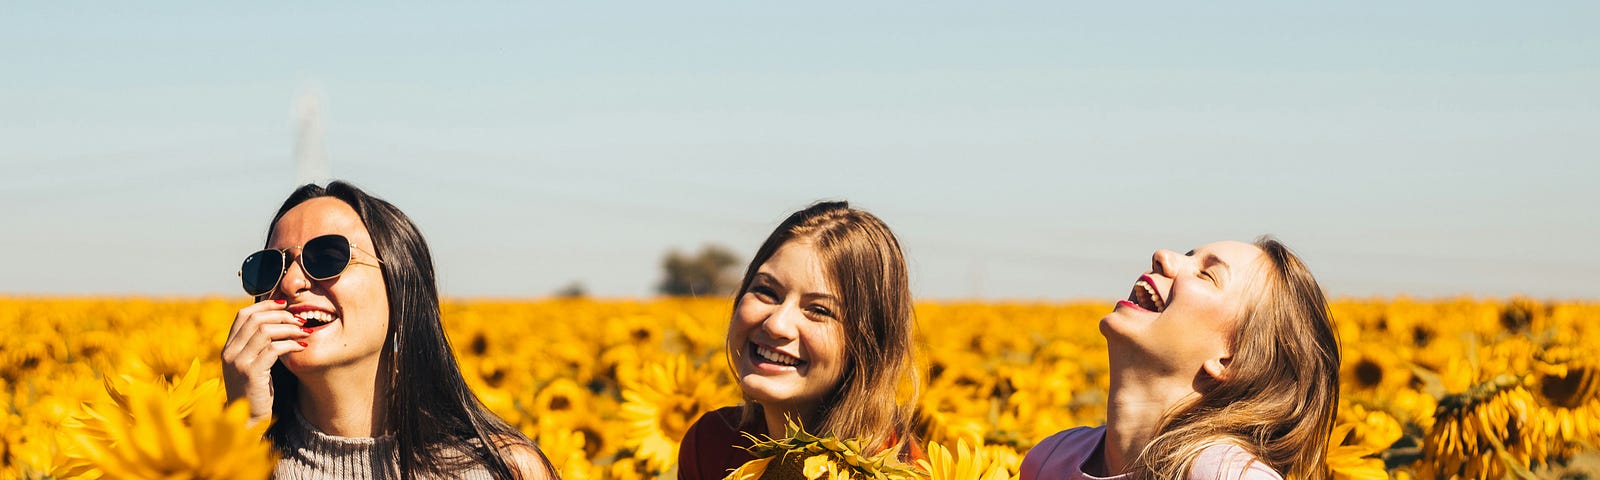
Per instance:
x=762, y=354
x=1146, y=296
x=315, y=318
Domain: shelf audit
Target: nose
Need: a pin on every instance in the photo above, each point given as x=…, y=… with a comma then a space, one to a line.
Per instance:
x=781, y=326
x=294, y=277
x=1164, y=262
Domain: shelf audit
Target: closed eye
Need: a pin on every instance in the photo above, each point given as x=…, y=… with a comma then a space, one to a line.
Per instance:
x=820, y=311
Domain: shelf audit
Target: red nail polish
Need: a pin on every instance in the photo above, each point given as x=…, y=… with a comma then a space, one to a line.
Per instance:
x=307, y=330
x=303, y=344
x=281, y=301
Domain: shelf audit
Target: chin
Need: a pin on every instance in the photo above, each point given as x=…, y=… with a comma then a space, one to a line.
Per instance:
x=1115, y=328
x=764, y=391
x=305, y=362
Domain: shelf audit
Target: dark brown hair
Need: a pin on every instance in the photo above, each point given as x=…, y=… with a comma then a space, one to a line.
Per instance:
x=430, y=408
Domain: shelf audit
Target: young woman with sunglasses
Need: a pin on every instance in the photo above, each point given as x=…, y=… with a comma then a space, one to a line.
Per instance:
x=821, y=333
x=1224, y=363
x=345, y=352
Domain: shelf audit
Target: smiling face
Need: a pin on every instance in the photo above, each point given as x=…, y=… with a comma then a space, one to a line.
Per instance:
x=1185, y=310
x=348, y=314
x=786, y=338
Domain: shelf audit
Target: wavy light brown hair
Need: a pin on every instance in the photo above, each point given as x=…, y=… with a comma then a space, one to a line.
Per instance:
x=867, y=270
x=1282, y=389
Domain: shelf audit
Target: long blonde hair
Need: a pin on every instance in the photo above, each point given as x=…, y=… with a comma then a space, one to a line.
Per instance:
x=1282, y=389
x=864, y=263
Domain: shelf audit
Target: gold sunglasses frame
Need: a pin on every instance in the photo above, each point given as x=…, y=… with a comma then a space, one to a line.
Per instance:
x=283, y=256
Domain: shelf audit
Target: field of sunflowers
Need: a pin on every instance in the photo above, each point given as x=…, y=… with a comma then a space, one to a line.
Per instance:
x=129, y=387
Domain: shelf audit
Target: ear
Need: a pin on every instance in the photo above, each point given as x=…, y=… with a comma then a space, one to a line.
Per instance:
x=1217, y=368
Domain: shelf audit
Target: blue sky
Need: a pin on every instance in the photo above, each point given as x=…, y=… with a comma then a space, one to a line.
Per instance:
x=1020, y=150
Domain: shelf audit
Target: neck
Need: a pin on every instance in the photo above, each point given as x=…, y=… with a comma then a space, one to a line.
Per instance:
x=1135, y=405
x=347, y=401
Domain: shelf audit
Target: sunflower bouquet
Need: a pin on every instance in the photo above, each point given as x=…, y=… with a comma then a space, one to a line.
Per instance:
x=803, y=455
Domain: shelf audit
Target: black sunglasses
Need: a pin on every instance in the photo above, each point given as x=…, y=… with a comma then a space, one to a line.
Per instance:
x=321, y=258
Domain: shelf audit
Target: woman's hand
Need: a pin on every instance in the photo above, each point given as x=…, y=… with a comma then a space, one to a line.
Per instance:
x=260, y=334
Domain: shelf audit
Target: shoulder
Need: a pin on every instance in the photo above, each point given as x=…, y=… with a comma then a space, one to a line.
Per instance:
x=714, y=426
x=1227, y=461
x=526, y=460
x=1061, y=453
x=711, y=445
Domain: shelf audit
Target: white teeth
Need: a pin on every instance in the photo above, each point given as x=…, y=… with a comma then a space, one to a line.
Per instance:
x=1150, y=291
x=315, y=315
x=775, y=356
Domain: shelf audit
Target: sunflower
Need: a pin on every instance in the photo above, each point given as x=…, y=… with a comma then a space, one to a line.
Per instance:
x=664, y=399
x=1566, y=389
x=562, y=402
x=1356, y=442
x=948, y=415
x=802, y=455
x=563, y=406
x=1482, y=433
x=164, y=353
x=1372, y=371
x=965, y=463
x=36, y=451
x=178, y=431
x=566, y=451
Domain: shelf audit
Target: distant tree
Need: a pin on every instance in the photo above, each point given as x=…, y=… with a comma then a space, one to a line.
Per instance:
x=576, y=289
x=713, y=271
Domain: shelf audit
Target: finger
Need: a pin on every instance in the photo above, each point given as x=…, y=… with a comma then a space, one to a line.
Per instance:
x=253, y=324
x=250, y=310
x=246, y=351
x=269, y=355
x=259, y=334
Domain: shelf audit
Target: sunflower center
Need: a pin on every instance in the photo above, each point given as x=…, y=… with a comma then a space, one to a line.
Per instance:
x=675, y=422
x=1423, y=335
x=1566, y=391
x=560, y=403
x=1368, y=373
x=1518, y=316
x=479, y=344
x=591, y=441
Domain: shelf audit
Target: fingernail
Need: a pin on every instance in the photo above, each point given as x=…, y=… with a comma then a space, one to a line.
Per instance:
x=301, y=343
x=281, y=301
x=307, y=330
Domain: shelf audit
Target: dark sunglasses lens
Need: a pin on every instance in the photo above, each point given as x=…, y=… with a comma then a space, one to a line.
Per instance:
x=260, y=272
x=326, y=256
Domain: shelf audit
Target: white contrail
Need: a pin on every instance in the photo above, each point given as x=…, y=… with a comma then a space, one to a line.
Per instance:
x=310, y=160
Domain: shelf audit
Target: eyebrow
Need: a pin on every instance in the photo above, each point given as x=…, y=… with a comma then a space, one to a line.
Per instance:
x=822, y=296
x=1212, y=259
x=768, y=278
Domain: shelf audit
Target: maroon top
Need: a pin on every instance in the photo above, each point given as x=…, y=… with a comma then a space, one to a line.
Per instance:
x=713, y=446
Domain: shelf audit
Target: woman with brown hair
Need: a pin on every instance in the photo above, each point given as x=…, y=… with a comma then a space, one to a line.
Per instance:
x=1224, y=364
x=822, y=334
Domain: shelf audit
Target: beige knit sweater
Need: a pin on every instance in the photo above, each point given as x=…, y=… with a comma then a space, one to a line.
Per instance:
x=313, y=455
